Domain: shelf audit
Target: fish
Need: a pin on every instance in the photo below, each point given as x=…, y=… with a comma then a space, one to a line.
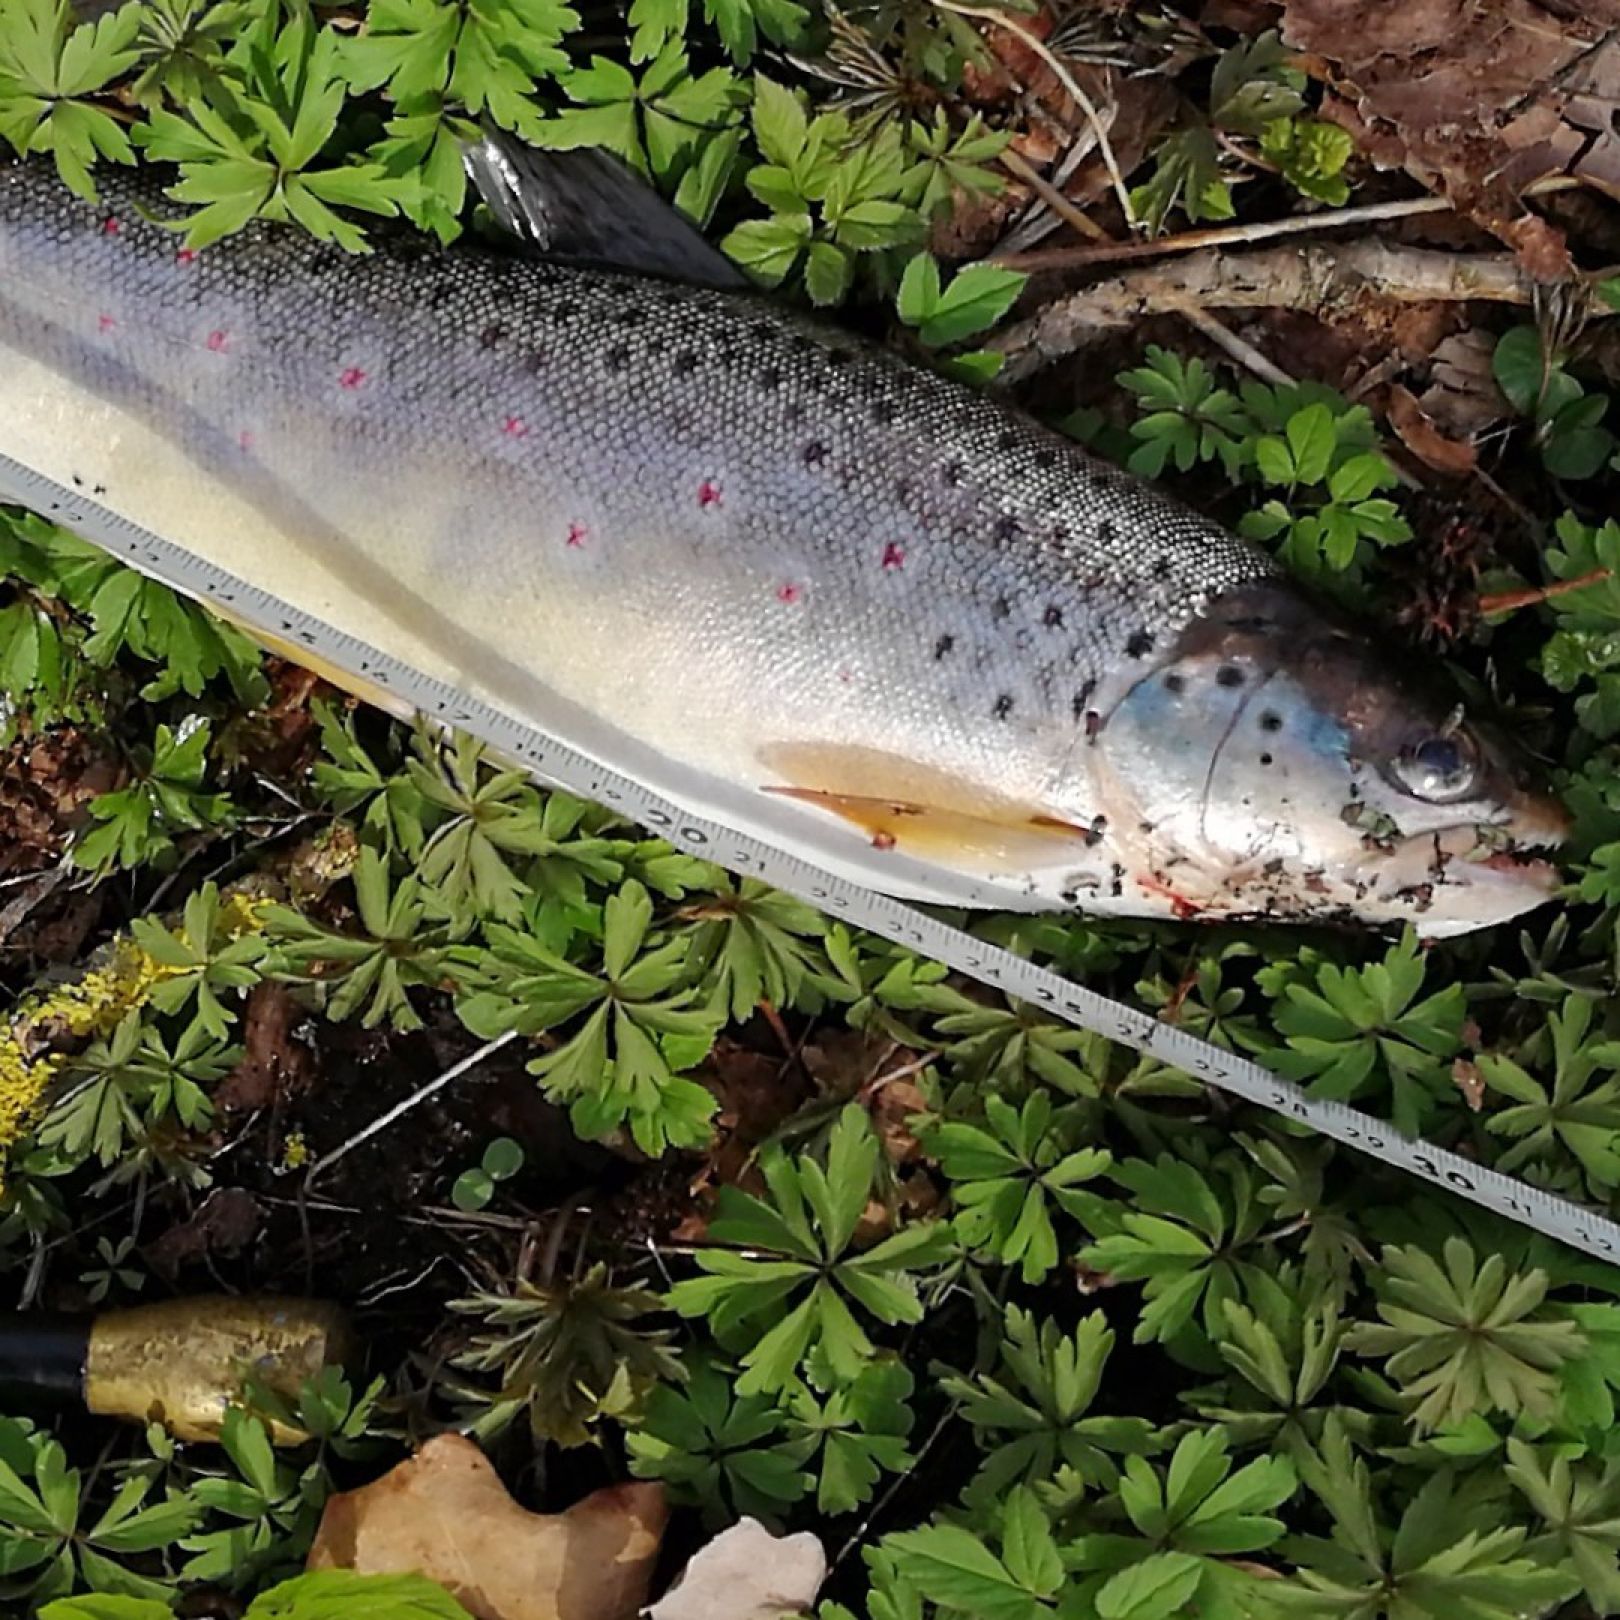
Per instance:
x=782, y=575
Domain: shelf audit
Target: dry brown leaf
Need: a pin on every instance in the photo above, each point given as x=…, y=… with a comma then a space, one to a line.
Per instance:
x=1424, y=439
x=1462, y=399
x=1477, y=100
x=1470, y=1082
x=445, y=1513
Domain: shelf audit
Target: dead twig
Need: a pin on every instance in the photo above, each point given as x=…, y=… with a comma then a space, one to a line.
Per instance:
x=420, y=1095
x=1239, y=348
x=1067, y=80
x=1531, y=595
x=1260, y=230
x=1054, y=199
x=1318, y=277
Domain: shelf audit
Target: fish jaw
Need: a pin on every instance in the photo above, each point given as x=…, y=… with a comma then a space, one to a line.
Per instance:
x=1270, y=767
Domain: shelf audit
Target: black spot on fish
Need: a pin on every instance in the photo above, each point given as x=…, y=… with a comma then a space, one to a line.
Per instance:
x=1082, y=698
x=491, y=335
x=883, y=412
x=1229, y=675
x=1175, y=683
x=1007, y=527
x=1271, y=721
x=815, y=453
x=324, y=260
x=563, y=311
x=1094, y=833
x=1265, y=759
x=1052, y=617
x=802, y=344
x=1162, y=567
x=669, y=297
x=770, y=378
x=1003, y=708
x=630, y=317
x=951, y=472
x=1060, y=533
x=1046, y=458
x=1007, y=441
x=686, y=361
x=534, y=361
x=1100, y=480
x=1108, y=531
x=763, y=331
x=1001, y=607
x=618, y=357
x=839, y=357
x=1140, y=645
x=944, y=645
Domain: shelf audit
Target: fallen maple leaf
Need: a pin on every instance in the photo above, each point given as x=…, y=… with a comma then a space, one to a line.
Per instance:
x=446, y=1514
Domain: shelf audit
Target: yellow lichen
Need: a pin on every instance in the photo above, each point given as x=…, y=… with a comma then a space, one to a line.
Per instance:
x=294, y=1151
x=94, y=1004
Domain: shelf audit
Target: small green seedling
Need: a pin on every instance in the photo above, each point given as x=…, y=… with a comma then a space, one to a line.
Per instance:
x=474, y=1188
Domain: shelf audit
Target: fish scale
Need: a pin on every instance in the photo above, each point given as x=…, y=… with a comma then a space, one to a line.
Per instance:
x=767, y=568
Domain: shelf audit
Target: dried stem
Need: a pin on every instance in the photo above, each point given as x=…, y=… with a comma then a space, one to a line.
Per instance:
x=1054, y=199
x=1260, y=230
x=421, y=1095
x=1508, y=601
x=1066, y=79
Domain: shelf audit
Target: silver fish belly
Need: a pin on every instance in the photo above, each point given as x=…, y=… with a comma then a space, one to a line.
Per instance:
x=772, y=571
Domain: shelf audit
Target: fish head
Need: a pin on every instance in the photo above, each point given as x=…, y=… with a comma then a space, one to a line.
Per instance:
x=1278, y=762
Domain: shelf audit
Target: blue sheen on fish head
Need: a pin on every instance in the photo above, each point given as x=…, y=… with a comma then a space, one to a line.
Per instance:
x=1276, y=762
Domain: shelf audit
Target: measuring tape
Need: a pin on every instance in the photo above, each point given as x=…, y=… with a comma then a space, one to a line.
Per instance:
x=574, y=772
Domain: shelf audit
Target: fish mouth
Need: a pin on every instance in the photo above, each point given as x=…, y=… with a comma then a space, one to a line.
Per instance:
x=1512, y=854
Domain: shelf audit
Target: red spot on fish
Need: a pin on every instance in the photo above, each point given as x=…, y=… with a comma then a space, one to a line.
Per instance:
x=186, y=256
x=352, y=378
x=245, y=439
x=708, y=494
x=787, y=593
x=1184, y=909
x=883, y=840
x=846, y=676
x=219, y=341
x=111, y=227
x=106, y=323
x=515, y=428
x=576, y=535
x=894, y=556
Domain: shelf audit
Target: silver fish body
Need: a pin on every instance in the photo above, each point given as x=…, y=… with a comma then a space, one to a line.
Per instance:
x=771, y=570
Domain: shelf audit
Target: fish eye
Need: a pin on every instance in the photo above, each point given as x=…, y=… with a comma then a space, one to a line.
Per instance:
x=1439, y=768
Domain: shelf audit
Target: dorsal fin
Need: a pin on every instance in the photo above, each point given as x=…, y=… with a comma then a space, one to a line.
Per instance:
x=587, y=207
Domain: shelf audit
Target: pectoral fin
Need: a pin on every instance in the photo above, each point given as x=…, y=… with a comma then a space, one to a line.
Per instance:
x=902, y=804
x=588, y=207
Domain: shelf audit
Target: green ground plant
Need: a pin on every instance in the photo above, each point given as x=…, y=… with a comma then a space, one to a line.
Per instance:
x=1034, y=1326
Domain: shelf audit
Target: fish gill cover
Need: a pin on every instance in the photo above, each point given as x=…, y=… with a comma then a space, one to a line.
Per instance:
x=727, y=1196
